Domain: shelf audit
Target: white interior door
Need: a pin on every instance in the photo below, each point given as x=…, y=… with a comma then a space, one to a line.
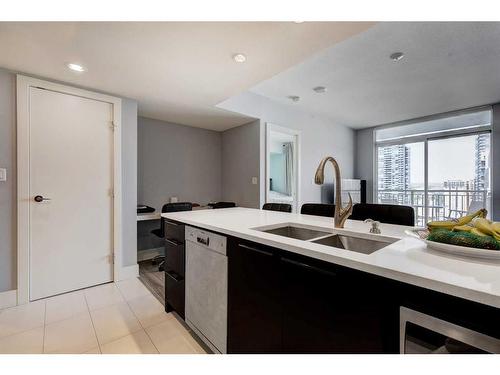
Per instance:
x=71, y=163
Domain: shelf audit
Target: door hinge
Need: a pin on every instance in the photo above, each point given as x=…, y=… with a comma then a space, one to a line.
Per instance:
x=112, y=258
x=112, y=193
x=112, y=125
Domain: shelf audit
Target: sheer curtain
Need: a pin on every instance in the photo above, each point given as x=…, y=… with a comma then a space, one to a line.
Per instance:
x=288, y=156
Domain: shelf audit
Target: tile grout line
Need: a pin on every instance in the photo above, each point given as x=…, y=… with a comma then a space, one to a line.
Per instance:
x=92, y=321
x=114, y=304
x=104, y=307
x=181, y=333
x=133, y=312
x=23, y=330
x=174, y=317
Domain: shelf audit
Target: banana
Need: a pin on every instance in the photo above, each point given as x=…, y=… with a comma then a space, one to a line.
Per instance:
x=486, y=227
x=450, y=224
x=478, y=232
x=463, y=228
x=483, y=225
x=468, y=218
x=496, y=226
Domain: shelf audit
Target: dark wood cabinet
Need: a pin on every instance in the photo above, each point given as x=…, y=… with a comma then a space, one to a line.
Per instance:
x=286, y=303
x=282, y=302
x=254, y=307
x=175, y=255
x=310, y=298
x=174, y=231
x=330, y=309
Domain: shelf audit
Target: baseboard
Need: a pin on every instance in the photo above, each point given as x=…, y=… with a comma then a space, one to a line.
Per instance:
x=149, y=253
x=128, y=272
x=8, y=299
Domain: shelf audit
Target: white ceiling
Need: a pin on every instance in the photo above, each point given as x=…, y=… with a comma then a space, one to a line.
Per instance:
x=447, y=66
x=177, y=71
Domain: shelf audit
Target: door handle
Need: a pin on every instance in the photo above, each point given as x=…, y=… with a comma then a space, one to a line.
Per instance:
x=263, y=252
x=40, y=199
x=174, y=275
x=173, y=242
x=308, y=267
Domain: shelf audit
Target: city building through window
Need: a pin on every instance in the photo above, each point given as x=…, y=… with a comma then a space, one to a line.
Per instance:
x=440, y=166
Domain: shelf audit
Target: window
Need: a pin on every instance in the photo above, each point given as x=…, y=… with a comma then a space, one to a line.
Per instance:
x=440, y=166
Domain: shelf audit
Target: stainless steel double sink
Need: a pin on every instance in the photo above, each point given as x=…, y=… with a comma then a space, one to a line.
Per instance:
x=340, y=241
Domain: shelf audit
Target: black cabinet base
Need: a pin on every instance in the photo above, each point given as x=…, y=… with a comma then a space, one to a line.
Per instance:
x=175, y=255
x=280, y=302
x=168, y=308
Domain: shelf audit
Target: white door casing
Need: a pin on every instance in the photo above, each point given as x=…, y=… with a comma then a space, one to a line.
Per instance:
x=71, y=155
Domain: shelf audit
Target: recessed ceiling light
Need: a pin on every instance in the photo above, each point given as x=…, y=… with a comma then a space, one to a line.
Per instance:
x=294, y=98
x=239, y=58
x=396, y=56
x=298, y=21
x=75, y=67
x=320, y=89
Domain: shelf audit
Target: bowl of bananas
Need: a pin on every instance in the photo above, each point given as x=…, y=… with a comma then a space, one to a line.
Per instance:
x=472, y=236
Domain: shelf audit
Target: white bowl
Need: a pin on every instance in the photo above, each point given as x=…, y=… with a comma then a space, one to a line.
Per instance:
x=471, y=252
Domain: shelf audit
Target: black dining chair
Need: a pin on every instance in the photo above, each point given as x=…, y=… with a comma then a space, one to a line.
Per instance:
x=385, y=213
x=223, y=205
x=318, y=209
x=281, y=207
x=160, y=232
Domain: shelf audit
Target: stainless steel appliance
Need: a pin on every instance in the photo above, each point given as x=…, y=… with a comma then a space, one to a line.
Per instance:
x=421, y=333
x=206, y=287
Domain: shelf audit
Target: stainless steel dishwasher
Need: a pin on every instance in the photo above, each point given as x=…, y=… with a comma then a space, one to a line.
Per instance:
x=206, y=287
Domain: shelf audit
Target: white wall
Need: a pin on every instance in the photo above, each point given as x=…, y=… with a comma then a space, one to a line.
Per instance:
x=319, y=137
x=241, y=162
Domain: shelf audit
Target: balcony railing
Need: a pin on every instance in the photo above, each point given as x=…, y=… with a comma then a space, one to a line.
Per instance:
x=441, y=204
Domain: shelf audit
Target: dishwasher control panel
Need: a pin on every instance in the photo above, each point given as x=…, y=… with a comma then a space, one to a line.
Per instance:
x=212, y=241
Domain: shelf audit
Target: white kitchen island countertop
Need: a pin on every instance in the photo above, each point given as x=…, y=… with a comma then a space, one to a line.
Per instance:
x=407, y=260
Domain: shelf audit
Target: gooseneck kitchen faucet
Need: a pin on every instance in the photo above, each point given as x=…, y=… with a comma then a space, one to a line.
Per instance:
x=341, y=213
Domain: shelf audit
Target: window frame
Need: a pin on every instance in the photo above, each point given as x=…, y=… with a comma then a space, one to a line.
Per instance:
x=425, y=138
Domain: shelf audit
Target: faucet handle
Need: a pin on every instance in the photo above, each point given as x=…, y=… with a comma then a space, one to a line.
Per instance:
x=375, y=226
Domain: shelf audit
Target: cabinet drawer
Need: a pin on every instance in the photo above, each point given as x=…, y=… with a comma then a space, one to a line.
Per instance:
x=174, y=231
x=175, y=257
x=174, y=293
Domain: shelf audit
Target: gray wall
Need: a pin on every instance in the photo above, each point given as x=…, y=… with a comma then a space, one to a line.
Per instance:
x=129, y=182
x=8, y=251
x=365, y=154
x=177, y=160
x=319, y=137
x=8, y=205
x=241, y=162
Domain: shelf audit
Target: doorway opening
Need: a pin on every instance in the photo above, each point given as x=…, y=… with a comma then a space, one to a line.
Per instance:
x=282, y=166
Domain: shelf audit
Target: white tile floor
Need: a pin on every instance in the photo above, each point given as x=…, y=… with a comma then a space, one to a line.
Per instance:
x=115, y=318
